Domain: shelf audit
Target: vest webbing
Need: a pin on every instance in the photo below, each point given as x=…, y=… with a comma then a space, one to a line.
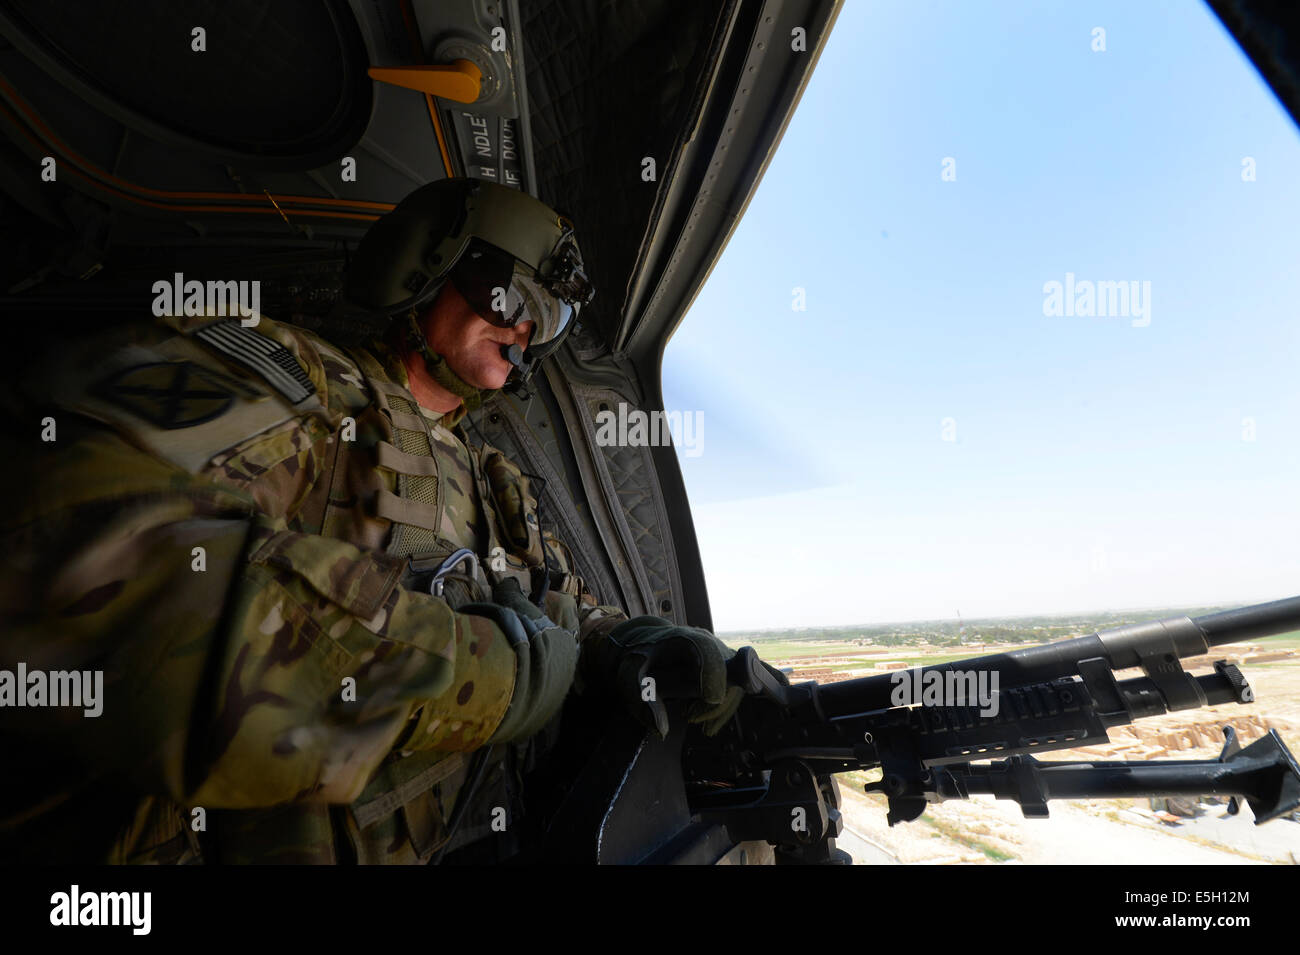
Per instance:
x=416, y=509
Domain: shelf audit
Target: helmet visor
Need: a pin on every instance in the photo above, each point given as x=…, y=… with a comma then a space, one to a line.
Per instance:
x=507, y=292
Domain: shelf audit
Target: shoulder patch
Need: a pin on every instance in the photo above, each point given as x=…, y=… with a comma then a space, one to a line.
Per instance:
x=168, y=394
x=267, y=358
x=172, y=398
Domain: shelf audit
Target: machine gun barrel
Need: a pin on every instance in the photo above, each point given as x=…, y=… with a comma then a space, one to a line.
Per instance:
x=1250, y=623
x=1154, y=646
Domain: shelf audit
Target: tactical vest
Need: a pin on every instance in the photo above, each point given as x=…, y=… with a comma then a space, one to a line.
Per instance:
x=442, y=496
x=432, y=495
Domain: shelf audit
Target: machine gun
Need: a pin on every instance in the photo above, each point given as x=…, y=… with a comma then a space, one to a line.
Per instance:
x=767, y=780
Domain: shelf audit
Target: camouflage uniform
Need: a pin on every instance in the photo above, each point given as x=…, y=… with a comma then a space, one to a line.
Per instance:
x=227, y=670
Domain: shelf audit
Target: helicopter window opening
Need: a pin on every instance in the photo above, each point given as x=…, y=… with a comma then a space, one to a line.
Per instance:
x=1016, y=341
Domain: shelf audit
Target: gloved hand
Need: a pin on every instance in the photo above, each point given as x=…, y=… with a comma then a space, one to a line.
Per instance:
x=683, y=663
x=546, y=658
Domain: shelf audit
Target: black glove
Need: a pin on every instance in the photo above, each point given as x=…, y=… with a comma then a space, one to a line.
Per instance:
x=546, y=658
x=647, y=660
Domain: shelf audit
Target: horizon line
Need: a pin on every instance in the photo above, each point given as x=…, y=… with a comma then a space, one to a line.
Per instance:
x=962, y=621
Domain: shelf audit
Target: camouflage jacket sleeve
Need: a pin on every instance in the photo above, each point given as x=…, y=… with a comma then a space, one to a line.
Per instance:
x=571, y=604
x=516, y=513
x=243, y=663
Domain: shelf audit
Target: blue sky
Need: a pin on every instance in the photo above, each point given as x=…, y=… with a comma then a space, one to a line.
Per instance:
x=1096, y=464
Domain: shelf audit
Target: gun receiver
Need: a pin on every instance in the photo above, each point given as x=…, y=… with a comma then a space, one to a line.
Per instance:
x=776, y=759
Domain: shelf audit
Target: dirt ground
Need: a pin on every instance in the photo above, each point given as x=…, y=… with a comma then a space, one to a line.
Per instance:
x=982, y=831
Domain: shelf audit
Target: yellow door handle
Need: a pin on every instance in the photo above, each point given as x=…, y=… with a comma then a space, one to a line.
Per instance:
x=460, y=81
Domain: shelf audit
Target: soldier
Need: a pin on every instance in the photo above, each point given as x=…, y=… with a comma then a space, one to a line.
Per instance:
x=322, y=614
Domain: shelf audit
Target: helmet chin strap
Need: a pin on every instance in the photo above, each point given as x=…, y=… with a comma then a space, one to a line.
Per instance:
x=439, y=370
